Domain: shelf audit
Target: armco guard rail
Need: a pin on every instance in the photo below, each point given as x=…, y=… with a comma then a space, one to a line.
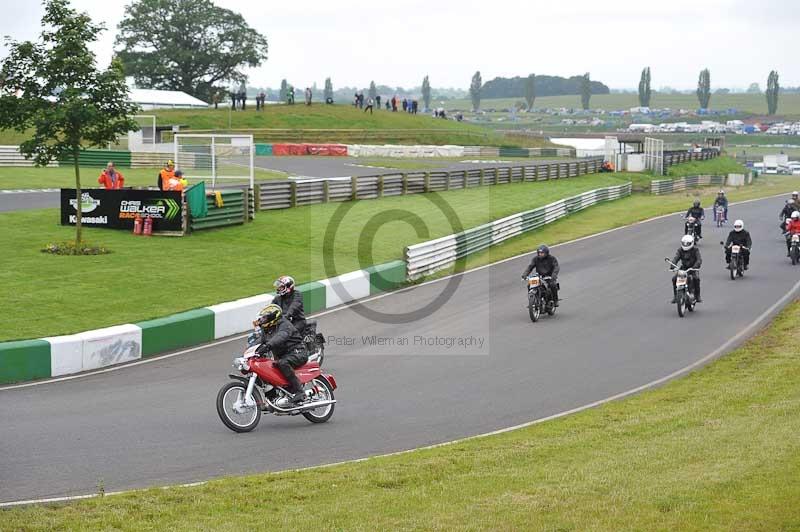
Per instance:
x=285, y=194
x=668, y=186
x=232, y=212
x=428, y=257
x=676, y=157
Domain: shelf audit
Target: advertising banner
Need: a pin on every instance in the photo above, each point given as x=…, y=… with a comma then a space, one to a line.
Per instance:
x=117, y=209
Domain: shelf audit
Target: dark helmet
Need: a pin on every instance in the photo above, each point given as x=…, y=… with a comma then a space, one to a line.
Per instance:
x=543, y=250
x=269, y=316
x=284, y=285
x=696, y=203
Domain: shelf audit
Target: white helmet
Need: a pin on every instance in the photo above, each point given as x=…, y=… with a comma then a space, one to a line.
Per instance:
x=687, y=242
x=795, y=194
x=795, y=215
x=738, y=225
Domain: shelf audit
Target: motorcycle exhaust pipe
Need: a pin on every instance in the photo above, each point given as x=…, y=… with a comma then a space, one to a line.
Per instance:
x=301, y=407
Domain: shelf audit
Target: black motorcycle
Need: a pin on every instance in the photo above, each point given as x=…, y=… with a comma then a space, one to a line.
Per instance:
x=736, y=265
x=684, y=289
x=540, y=297
x=692, y=227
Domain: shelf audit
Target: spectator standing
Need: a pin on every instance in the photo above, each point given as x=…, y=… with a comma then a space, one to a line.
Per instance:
x=405, y=105
x=110, y=178
x=175, y=183
x=369, y=106
x=355, y=99
x=308, y=95
x=378, y=101
x=233, y=100
x=394, y=103
x=243, y=97
x=166, y=173
x=215, y=99
x=414, y=106
x=388, y=105
x=291, y=95
x=263, y=99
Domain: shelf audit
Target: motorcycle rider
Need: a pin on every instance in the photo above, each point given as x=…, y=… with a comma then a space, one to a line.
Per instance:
x=290, y=301
x=687, y=256
x=546, y=265
x=699, y=214
x=792, y=228
x=787, y=211
x=723, y=202
x=279, y=336
x=739, y=237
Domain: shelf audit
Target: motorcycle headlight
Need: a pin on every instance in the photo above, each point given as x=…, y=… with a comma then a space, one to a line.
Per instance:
x=241, y=364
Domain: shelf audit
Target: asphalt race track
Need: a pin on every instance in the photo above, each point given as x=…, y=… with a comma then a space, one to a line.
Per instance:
x=155, y=423
x=296, y=166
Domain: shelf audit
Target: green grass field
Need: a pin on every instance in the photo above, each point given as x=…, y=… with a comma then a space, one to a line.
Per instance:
x=152, y=277
x=788, y=104
x=64, y=177
x=716, y=450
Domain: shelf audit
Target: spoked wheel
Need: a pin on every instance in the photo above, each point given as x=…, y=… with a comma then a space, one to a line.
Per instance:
x=324, y=393
x=680, y=304
x=795, y=256
x=732, y=268
x=233, y=409
x=534, y=308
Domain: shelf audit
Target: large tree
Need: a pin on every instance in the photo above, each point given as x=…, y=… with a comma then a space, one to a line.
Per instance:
x=530, y=90
x=644, y=88
x=704, y=88
x=586, y=91
x=475, y=90
x=53, y=90
x=188, y=45
x=426, y=93
x=773, y=87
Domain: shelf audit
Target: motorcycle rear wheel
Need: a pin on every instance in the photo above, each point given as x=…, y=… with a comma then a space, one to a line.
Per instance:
x=325, y=394
x=230, y=393
x=795, y=256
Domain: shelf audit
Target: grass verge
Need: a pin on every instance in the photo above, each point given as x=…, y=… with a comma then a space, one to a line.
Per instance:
x=720, y=166
x=150, y=277
x=717, y=450
x=64, y=177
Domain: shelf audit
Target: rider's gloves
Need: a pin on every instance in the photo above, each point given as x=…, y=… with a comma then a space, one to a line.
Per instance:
x=263, y=348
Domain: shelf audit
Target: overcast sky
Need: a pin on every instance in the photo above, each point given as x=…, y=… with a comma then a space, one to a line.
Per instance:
x=397, y=43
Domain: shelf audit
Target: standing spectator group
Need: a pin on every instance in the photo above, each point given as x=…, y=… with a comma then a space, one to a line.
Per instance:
x=358, y=100
x=238, y=99
x=260, y=99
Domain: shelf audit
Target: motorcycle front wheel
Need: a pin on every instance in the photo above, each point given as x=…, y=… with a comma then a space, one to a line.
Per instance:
x=732, y=267
x=324, y=393
x=680, y=299
x=534, y=308
x=228, y=396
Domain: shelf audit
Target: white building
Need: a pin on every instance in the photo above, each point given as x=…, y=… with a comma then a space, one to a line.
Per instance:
x=158, y=99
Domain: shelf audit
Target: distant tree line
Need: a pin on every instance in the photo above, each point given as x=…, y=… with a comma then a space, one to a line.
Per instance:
x=545, y=86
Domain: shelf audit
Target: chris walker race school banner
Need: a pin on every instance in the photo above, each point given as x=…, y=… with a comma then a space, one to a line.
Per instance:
x=118, y=208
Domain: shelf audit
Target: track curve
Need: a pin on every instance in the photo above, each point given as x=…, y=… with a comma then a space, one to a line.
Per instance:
x=155, y=423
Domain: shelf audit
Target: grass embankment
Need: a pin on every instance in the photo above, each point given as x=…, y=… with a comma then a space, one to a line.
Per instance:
x=152, y=277
x=717, y=450
x=64, y=177
x=788, y=104
x=343, y=123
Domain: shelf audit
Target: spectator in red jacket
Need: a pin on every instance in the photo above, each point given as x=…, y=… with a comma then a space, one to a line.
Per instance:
x=110, y=178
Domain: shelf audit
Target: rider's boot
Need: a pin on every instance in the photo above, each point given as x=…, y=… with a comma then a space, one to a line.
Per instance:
x=697, y=297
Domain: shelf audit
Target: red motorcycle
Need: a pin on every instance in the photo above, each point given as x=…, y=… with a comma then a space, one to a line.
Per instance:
x=260, y=388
